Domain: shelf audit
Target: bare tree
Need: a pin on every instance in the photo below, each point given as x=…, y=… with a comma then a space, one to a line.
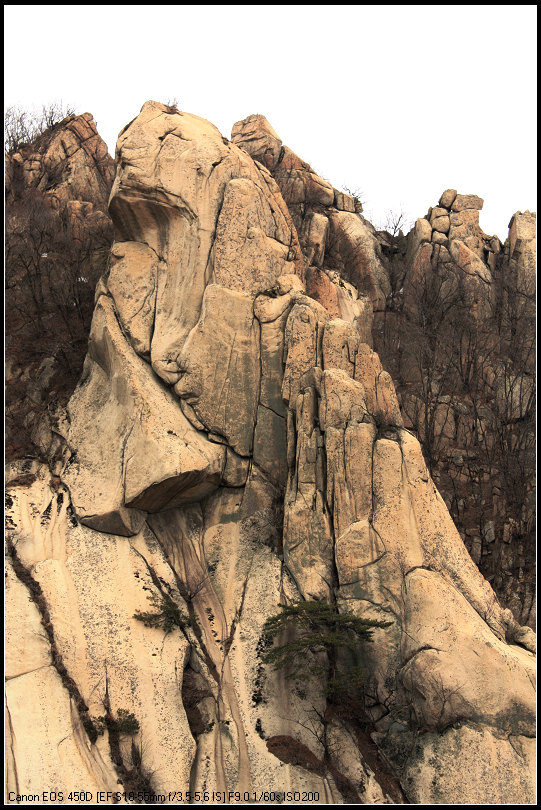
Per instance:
x=467, y=386
x=21, y=126
x=395, y=222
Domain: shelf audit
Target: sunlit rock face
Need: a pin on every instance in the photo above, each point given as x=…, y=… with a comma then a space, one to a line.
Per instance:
x=235, y=445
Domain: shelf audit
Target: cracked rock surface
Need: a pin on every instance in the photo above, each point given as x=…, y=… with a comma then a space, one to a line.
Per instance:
x=234, y=444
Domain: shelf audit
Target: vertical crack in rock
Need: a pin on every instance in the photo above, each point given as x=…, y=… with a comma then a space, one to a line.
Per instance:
x=24, y=575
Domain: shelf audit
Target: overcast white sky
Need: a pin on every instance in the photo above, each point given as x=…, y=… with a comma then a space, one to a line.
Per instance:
x=400, y=102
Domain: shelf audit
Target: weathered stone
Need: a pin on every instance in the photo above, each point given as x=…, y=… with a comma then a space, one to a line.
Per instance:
x=343, y=400
x=349, y=490
x=236, y=469
x=132, y=284
x=441, y=224
x=340, y=344
x=272, y=314
x=304, y=331
x=438, y=212
x=27, y=647
x=258, y=138
x=344, y=202
x=439, y=238
x=522, y=250
x=355, y=249
x=464, y=224
x=75, y=155
x=475, y=279
x=131, y=441
x=313, y=238
x=381, y=401
x=448, y=197
x=457, y=764
x=308, y=549
x=270, y=445
x=466, y=672
x=246, y=259
x=463, y=201
x=218, y=391
x=186, y=158
x=205, y=230
x=323, y=290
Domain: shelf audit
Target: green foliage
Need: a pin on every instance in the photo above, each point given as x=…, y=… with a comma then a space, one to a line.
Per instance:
x=124, y=723
x=91, y=729
x=166, y=616
x=317, y=627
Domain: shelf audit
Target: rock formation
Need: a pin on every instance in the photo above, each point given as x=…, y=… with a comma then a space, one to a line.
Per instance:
x=458, y=337
x=234, y=444
x=58, y=237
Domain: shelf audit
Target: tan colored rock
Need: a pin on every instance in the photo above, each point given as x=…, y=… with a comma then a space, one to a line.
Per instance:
x=423, y=230
x=466, y=672
x=464, y=224
x=218, y=391
x=349, y=462
x=303, y=335
x=186, y=157
x=415, y=280
x=236, y=469
x=344, y=202
x=467, y=755
x=439, y=238
x=318, y=190
x=272, y=314
x=463, y=201
x=362, y=520
x=441, y=224
x=308, y=548
x=102, y=647
x=356, y=310
x=448, y=197
x=133, y=445
x=46, y=738
x=438, y=212
x=381, y=401
x=417, y=238
x=269, y=451
x=313, y=238
x=322, y=289
x=522, y=250
x=75, y=155
x=132, y=283
x=340, y=344
x=342, y=400
x=355, y=249
x=27, y=647
x=476, y=278
x=258, y=138
x=246, y=259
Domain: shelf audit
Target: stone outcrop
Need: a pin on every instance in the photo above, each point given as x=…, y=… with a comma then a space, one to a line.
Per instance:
x=467, y=302
x=235, y=444
x=333, y=234
x=448, y=248
x=69, y=162
x=58, y=237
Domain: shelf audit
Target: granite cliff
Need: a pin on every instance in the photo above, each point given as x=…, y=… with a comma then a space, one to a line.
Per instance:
x=234, y=444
